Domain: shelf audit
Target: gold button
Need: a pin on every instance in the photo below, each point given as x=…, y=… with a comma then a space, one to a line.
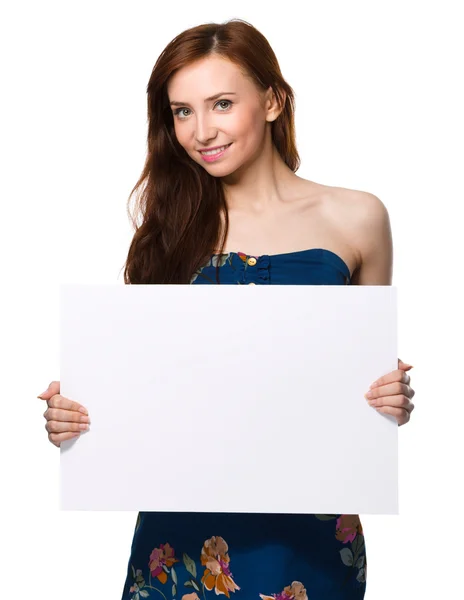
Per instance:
x=252, y=283
x=252, y=261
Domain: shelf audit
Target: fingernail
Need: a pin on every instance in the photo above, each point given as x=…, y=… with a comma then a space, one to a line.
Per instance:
x=83, y=410
x=40, y=395
x=368, y=395
x=373, y=385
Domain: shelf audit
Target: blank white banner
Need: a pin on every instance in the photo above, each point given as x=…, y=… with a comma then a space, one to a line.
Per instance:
x=229, y=398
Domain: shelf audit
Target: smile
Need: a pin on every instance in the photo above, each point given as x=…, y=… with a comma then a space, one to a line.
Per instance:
x=214, y=154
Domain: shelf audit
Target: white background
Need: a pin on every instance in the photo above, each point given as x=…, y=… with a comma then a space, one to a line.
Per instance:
x=378, y=108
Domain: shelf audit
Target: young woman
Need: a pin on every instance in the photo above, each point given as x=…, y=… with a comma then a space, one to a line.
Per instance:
x=221, y=203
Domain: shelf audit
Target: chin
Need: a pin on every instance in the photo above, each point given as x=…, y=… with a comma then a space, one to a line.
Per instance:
x=218, y=170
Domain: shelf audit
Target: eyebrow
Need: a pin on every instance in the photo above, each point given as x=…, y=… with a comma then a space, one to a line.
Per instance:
x=215, y=97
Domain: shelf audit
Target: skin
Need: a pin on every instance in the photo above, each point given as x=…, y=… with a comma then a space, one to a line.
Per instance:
x=271, y=209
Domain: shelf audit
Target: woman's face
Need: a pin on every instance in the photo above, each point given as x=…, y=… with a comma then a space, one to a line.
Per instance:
x=236, y=117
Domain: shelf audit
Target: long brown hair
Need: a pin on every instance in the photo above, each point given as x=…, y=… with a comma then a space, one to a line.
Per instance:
x=179, y=202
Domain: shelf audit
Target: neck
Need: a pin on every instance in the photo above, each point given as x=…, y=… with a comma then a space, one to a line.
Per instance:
x=261, y=184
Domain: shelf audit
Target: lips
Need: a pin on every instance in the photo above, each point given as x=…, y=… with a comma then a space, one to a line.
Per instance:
x=213, y=151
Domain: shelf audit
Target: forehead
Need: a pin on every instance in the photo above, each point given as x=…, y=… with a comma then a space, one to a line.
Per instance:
x=207, y=76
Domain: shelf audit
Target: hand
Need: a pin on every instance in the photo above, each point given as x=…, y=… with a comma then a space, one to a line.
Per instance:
x=65, y=419
x=392, y=394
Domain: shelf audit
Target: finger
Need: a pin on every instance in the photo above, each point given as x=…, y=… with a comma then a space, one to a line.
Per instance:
x=403, y=365
x=59, y=401
x=63, y=427
x=53, y=388
x=57, y=438
x=401, y=415
x=390, y=389
x=398, y=401
x=396, y=375
x=67, y=416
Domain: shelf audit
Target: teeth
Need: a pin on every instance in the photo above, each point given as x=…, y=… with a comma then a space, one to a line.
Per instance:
x=215, y=151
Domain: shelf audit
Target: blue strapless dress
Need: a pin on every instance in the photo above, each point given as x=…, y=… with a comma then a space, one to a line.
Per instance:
x=198, y=556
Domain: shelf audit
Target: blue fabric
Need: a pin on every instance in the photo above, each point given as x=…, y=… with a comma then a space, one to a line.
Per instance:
x=316, y=266
x=190, y=556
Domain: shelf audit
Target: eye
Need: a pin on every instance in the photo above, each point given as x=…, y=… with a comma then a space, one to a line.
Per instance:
x=226, y=101
x=179, y=110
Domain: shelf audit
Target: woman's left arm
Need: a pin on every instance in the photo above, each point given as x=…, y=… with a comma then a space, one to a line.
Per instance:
x=370, y=227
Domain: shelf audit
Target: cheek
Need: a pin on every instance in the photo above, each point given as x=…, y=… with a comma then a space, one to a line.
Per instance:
x=245, y=124
x=181, y=135
x=250, y=129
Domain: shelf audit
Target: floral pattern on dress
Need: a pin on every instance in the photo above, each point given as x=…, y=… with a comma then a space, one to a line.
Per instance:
x=159, y=558
x=348, y=530
x=296, y=591
x=160, y=565
x=217, y=575
x=214, y=261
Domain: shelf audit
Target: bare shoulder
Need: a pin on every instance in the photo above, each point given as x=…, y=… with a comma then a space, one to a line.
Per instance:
x=360, y=210
x=365, y=223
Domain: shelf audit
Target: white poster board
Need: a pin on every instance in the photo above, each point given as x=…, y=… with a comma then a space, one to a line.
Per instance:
x=229, y=398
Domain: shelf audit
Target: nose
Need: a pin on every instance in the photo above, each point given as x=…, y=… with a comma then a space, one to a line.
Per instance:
x=205, y=131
